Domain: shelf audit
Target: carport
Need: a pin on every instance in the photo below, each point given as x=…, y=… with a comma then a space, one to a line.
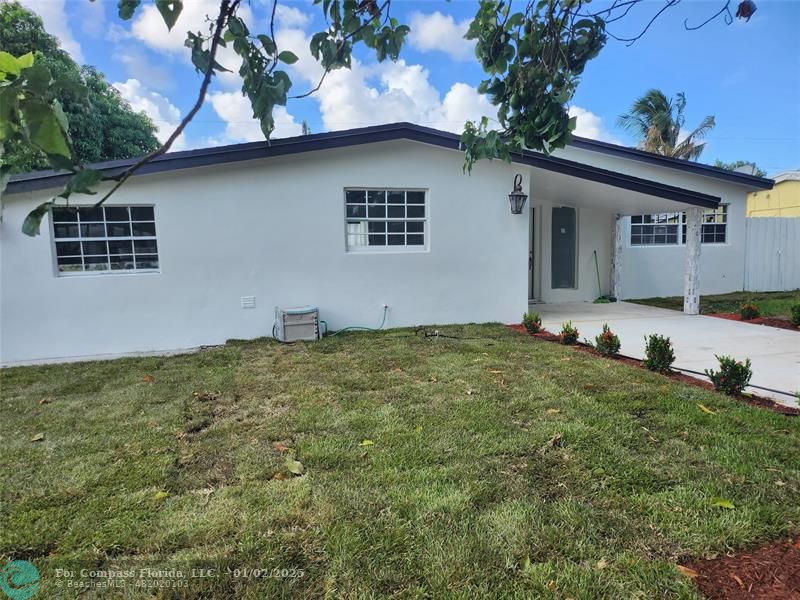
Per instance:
x=775, y=353
x=576, y=233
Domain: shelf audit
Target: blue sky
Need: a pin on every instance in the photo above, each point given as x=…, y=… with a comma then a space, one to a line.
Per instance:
x=746, y=74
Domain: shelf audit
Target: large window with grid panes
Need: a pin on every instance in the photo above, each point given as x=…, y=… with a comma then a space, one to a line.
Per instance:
x=104, y=239
x=385, y=219
x=669, y=229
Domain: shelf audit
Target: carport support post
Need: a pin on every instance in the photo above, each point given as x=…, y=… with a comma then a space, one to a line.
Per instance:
x=691, y=288
x=616, y=258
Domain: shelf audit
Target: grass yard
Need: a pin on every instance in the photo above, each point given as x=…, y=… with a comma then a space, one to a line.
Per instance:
x=459, y=495
x=771, y=304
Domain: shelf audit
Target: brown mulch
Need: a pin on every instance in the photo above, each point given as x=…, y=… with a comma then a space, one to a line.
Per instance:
x=770, y=572
x=778, y=322
x=753, y=400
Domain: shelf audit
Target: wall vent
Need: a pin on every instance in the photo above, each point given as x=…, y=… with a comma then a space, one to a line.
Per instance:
x=248, y=301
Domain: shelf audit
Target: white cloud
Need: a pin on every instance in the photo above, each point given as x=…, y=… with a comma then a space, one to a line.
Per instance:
x=56, y=23
x=590, y=125
x=288, y=16
x=149, y=27
x=164, y=114
x=437, y=31
x=381, y=92
x=139, y=67
x=240, y=126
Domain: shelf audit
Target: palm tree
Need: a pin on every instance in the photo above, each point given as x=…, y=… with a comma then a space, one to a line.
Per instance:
x=658, y=121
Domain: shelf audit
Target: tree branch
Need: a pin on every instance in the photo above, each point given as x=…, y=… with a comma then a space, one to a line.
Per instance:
x=227, y=9
x=724, y=9
x=341, y=44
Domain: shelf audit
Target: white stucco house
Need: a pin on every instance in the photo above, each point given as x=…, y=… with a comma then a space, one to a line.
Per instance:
x=201, y=246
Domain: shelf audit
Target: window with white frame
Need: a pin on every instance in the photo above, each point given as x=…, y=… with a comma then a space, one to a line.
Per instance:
x=662, y=229
x=714, y=229
x=105, y=239
x=385, y=219
x=655, y=230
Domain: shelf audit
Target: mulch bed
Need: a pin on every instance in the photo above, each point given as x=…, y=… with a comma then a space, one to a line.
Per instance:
x=758, y=401
x=768, y=321
x=770, y=572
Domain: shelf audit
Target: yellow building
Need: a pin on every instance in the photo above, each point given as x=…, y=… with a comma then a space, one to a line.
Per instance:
x=783, y=200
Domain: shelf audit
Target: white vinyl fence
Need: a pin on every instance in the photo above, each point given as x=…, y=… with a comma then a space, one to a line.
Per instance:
x=772, y=261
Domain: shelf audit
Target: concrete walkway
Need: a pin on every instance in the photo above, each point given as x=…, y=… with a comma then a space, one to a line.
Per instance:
x=775, y=353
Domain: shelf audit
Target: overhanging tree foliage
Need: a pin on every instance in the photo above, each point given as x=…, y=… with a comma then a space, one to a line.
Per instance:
x=533, y=57
x=737, y=164
x=102, y=125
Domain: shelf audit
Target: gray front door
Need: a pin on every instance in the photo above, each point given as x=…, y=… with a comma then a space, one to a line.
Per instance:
x=564, y=247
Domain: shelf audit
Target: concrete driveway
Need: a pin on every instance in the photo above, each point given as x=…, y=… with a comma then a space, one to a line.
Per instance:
x=775, y=353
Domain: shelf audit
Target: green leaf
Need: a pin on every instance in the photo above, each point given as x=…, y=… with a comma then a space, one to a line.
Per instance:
x=288, y=57
x=37, y=79
x=295, y=466
x=126, y=8
x=367, y=443
x=722, y=503
x=9, y=64
x=32, y=223
x=9, y=120
x=81, y=183
x=58, y=112
x=25, y=61
x=237, y=27
x=267, y=44
x=170, y=11
x=43, y=122
x=60, y=163
x=160, y=495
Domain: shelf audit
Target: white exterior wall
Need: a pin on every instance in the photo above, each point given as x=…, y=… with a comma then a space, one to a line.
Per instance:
x=649, y=271
x=273, y=229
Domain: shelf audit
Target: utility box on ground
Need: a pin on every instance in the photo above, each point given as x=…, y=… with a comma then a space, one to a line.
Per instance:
x=296, y=324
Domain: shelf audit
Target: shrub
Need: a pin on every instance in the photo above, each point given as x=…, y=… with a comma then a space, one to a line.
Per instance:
x=607, y=343
x=796, y=314
x=732, y=377
x=569, y=333
x=532, y=322
x=749, y=311
x=658, y=353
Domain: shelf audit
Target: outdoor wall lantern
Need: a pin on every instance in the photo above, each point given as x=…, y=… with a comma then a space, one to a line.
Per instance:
x=517, y=197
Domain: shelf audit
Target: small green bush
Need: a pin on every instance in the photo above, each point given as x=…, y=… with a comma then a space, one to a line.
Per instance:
x=658, y=353
x=796, y=314
x=569, y=333
x=532, y=322
x=749, y=311
x=732, y=377
x=607, y=343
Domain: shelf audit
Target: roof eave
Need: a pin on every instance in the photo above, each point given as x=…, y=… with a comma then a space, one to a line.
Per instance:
x=355, y=137
x=752, y=182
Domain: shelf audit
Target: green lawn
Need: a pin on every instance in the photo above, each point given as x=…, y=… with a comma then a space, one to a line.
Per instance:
x=460, y=495
x=771, y=304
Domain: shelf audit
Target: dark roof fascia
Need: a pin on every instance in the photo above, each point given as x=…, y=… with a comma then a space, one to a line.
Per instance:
x=749, y=181
x=367, y=135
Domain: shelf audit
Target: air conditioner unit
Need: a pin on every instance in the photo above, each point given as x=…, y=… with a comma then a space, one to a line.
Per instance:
x=295, y=324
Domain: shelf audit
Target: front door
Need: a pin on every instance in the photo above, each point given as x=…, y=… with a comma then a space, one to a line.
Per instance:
x=564, y=247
